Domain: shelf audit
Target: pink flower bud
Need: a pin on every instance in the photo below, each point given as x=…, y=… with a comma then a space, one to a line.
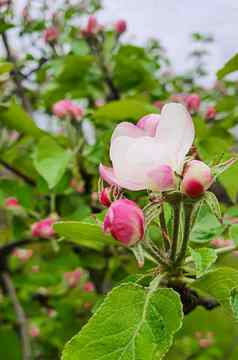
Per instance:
x=22, y=254
x=210, y=113
x=192, y=102
x=92, y=26
x=120, y=26
x=104, y=197
x=125, y=221
x=51, y=34
x=77, y=186
x=158, y=104
x=197, y=179
x=34, y=331
x=220, y=242
x=88, y=287
x=73, y=277
x=43, y=228
x=11, y=202
x=66, y=107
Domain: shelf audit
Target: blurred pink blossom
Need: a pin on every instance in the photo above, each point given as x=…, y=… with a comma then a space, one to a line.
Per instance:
x=22, y=254
x=73, y=277
x=43, y=228
x=51, y=34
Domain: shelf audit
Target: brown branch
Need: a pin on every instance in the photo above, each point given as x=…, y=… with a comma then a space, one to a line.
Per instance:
x=18, y=173
x=20, y=316
x=16, y=75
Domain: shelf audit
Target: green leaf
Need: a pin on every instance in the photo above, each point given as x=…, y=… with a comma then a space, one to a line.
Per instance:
x=213, y=203
x=131, y=324
x=206, y=226
x=229, y=181
x=203, y=259
x=234, y=233
x=5, y=67
x=14, y=117
x=229, y=67
x=218, y=284
x=123, y=110
x=84, y=233
x=51, y=160
x=234, y=302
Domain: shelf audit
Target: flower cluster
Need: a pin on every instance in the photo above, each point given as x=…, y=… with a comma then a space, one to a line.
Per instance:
x=151, y=155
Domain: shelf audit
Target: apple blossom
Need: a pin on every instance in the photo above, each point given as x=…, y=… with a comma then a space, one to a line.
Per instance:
x=193, y=102
x=120, y=26
x=66, y=107
x=22, y=254
x=197, y=178
x=125, y=221
x=43, y=228
x=34, y=331
x=158, y=104
x=210, y=113
x=92, y=26
x=51, y=34
x=104, y=197
x=88, y=287
x=11, y=202
x=145, y=156
x=73, y=277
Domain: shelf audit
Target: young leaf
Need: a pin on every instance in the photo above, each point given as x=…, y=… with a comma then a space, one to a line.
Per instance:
x=218, y=284
x=229, y=67
x=203, y=259
x=213, y=203
x=131, y=324
x=82, y=233
x=51, y=160
x=14, y=117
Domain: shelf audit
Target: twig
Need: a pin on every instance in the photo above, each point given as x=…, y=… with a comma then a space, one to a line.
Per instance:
x=17, y=172
x=20, y=316
x=16, y=75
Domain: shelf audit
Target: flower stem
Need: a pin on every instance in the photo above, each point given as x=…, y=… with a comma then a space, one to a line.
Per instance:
x=188, y=210
x=177, y=210
x=164, y=229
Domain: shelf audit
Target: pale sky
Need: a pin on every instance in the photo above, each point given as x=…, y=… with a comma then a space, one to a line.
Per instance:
x=172, y=21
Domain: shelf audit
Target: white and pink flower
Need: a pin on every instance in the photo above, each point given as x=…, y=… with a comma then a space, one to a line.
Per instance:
x=146, y=155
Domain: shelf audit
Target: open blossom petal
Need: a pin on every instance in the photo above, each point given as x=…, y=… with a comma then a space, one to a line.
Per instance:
x=149, y=124
x=177, y=130
x=127, y=129
x=133, y=159
x=107, y=174
x=162, y=178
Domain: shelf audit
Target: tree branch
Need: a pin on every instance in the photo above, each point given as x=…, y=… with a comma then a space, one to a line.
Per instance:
x=16, y=75
x=20, y=316
x=17, y=172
